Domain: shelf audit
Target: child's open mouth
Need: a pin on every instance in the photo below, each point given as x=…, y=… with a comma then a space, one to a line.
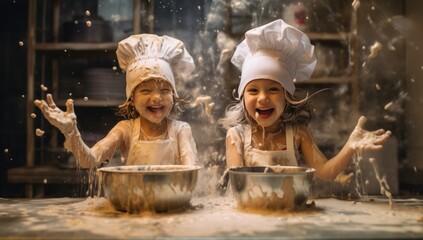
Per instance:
x=265, y=113
x=155, y=109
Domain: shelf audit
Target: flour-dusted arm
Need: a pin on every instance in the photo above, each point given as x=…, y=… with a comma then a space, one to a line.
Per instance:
x=67, y=124
x=359, y=140
x=187, y=146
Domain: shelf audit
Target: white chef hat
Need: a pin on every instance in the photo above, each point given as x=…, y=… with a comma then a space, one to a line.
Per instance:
x=147, y=56
x=275, y=51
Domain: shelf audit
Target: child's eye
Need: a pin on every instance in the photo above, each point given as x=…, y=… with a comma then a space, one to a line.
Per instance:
x=165, y=91
x=252, y=90
x=274, y=89
x=145, y=91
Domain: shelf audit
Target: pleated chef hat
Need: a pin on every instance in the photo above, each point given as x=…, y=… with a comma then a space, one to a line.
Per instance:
x=147, y=56
x=275, y=51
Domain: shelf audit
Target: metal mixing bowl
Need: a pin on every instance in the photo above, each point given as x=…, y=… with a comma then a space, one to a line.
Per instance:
x=271, y=187
x=149, y=187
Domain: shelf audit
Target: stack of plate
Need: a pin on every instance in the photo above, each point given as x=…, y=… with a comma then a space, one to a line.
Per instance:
x=104, y=83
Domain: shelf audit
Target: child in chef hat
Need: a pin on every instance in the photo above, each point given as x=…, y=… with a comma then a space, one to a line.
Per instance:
x=149, y=136
x=268, y=126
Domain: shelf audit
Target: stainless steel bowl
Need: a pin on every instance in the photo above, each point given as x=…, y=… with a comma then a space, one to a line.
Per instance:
x=271, y=187
x=149, y=187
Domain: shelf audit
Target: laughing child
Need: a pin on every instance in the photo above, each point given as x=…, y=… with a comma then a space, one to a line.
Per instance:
x=149, y=135
x=268, y=126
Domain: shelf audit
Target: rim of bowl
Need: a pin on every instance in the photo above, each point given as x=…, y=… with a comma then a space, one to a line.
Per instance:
x=307, y=170
x=149, y=168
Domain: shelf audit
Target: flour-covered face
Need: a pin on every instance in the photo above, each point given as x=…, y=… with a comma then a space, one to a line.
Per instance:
x=153, y=99
x=264, y=101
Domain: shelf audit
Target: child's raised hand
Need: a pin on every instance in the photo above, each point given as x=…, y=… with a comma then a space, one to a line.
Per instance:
x=64, y=121
x=361, y=139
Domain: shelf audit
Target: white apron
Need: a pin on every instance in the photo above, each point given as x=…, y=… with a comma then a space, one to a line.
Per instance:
x=156, y=152
x=257, y=157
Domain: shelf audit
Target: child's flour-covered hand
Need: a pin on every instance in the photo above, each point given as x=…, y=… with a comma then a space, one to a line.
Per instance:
x=361, y=139
x=64, y=121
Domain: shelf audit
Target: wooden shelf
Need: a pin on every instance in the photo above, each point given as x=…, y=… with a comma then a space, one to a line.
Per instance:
x=46, y=175
x=339, y=36
x=76, y=46
x=317, y=36
x=92, y=102
x=328, y=80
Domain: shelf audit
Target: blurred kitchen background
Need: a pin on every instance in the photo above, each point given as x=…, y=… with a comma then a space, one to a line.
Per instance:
x=369, y=57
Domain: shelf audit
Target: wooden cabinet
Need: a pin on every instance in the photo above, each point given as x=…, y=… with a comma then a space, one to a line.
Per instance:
x=50, y=49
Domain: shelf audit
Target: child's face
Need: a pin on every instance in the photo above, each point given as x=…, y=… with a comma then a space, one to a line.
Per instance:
x=265, y=101
x=153, y=99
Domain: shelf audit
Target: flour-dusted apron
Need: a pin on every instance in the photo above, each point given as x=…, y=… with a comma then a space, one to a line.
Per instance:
x=257, y=157
x=156, y=152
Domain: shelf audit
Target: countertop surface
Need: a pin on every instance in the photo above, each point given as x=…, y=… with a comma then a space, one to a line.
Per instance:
x=211, y=217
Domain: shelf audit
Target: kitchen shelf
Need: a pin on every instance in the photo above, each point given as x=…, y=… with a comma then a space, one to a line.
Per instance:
x=76, y=46
x=43, y=60
x=106, y=46
x=340, y=36
x=37, y=177
x=328, y=80
x=46, y=175
x=92, y=102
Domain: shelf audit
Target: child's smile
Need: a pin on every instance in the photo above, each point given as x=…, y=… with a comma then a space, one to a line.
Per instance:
x=265, y=112
x=155, y=109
